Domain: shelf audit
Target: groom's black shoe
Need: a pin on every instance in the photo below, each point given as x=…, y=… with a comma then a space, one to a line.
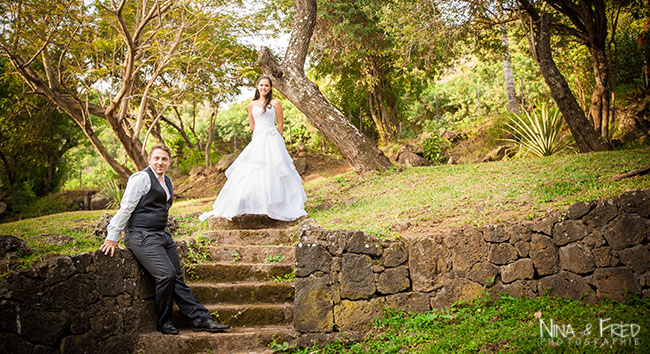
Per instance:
x=208, y=325
x=168, y=328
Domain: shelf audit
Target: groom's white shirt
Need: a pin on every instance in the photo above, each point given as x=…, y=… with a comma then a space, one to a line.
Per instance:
x=138, y=185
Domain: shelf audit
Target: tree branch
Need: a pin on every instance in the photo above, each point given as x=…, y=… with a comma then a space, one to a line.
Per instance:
x=40, y=50
x=637, y=172
x=301, y=32
x=160, y=67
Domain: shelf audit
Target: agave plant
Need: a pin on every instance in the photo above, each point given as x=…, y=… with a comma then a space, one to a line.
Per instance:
x=539, y=132
x=114, y=191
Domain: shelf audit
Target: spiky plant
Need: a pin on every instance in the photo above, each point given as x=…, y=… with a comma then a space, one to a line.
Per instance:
x=539, y=132
x=114, y=191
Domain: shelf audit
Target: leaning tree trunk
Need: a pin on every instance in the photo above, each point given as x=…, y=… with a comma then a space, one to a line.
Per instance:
x=583, y=132
x=289, y=78
x=507, y=71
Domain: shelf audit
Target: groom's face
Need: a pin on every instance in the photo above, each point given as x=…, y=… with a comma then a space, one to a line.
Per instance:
x=159, y=161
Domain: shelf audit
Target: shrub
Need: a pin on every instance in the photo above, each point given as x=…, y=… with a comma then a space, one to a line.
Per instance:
x=435, y=147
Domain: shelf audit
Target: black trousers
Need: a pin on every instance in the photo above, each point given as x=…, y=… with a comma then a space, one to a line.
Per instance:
x=156, y=252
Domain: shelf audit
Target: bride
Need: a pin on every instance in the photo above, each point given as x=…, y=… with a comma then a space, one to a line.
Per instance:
x=263, y=179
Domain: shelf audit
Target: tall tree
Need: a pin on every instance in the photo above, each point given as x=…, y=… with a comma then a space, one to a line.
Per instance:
x=492, y=16
x=105, y=59
x=212, y=71
x=289, y=78
x=507, y=70
x=349, y=43
x=590, y=28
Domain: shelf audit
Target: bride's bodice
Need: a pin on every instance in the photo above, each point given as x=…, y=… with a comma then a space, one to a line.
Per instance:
x=264, y=120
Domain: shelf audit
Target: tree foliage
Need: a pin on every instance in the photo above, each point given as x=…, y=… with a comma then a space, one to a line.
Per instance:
x=116, y=61
x=380, y=54
x=34, y=136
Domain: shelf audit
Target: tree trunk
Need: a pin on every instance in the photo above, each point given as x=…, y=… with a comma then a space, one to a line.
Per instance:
x=10, y=173
x=382, y=114
x=600, y=95
x=122, y=171
x=132, y=145
x=382, y=105
x=208, y=142
x=507, y=71
x=583, y=132
x=589, y=19
x=289, y=78
x=157, y=133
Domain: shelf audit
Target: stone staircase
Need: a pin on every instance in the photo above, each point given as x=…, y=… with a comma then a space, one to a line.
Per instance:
x=237, y=286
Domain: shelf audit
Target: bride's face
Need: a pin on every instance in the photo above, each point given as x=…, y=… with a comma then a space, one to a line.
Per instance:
x=264, y=87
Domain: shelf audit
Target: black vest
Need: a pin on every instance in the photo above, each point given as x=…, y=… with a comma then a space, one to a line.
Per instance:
x=152, y=210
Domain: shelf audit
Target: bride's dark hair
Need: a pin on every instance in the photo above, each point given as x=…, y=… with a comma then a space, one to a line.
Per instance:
x=269, y=97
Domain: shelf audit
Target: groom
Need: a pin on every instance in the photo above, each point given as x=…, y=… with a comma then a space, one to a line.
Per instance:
x=143, y=211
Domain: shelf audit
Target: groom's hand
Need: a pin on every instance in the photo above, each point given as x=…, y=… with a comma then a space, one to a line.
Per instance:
x=110, y=246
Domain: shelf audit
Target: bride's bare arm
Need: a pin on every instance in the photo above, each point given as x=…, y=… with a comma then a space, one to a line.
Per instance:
x=279, y=115
x=251, y=120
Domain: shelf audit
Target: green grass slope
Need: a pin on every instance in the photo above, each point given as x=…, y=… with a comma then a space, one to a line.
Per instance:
x=476, y=194
x=425, y=197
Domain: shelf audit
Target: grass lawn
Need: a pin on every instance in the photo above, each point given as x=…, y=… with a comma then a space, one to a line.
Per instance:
x=80, y=225
x=507, y=325
x=426, y=197
x=478, y=194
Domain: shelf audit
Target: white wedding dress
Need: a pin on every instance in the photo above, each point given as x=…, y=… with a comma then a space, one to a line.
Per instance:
x=263, y=179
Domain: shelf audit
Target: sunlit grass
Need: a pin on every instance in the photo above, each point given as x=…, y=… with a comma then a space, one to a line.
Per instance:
x=76, y=224
x=507, y=325
x=80, y=225
x=456, y=195
x=474, y=194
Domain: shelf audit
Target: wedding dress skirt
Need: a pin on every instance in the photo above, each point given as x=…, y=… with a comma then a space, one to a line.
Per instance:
x=263, y=179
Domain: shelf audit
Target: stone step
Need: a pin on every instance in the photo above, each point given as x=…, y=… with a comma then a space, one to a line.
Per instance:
x=258, y=351
x=243, y=315
x=242, y=292
x=251, y=222
x=236, y=340
x=226, y=272
x=253, y=237
x=252, y=254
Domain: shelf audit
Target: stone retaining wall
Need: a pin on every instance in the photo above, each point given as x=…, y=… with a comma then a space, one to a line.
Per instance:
x=86, y=303
x=345, y=278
